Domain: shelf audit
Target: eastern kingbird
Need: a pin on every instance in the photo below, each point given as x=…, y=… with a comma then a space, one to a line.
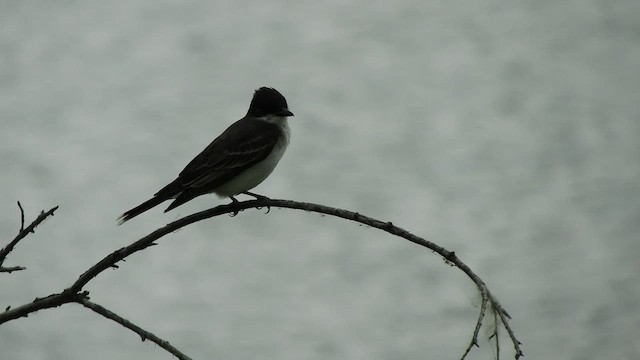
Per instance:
x=236, y=161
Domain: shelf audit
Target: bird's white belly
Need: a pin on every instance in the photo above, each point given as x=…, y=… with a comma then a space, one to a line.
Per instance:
x=253, y=176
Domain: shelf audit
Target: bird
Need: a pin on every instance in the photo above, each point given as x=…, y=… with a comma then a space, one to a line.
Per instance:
x=235, y=162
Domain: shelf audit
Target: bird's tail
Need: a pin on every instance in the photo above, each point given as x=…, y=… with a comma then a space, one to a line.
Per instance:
x=128, y=215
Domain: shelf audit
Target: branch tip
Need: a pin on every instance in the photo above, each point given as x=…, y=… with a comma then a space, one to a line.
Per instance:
x=4, y=252
x=11, y=269
x=21, y=216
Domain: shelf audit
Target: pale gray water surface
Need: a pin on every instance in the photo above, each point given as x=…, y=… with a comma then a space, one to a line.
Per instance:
x=506, y=131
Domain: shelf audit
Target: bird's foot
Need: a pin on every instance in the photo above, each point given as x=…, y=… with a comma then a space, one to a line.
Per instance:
x=234, y=202
x=258, y=197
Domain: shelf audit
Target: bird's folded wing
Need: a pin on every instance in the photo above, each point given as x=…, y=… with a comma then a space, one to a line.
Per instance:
x=235, y=150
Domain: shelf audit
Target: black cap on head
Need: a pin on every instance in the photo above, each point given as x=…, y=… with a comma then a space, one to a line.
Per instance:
x=268, y=101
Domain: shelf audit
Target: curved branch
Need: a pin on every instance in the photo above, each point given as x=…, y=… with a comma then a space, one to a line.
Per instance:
x=69, y=294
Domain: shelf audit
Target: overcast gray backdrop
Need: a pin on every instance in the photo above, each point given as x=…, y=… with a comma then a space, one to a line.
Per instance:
x=506, y=131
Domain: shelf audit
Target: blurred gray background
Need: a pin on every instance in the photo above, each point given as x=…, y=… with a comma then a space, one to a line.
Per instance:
x=506, y=131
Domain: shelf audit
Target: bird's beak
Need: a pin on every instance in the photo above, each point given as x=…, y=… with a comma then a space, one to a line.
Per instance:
x=285, y=113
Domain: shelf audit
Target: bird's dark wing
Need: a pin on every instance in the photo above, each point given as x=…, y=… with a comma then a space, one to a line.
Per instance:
x=242, y=145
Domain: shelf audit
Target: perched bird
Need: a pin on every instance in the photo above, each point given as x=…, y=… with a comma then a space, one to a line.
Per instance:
x=236, y=161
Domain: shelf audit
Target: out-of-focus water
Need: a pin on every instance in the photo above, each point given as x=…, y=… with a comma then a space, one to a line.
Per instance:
x=506, y=131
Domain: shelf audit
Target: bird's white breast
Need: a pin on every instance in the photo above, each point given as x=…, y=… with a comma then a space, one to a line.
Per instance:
x=256, y=174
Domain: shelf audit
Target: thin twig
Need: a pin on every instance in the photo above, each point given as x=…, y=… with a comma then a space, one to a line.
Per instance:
x=24, y=232
x=504, y=319
x=21, y=216
x=476, y=331
x=144, y=334
x=11, y=269
x=495, y=334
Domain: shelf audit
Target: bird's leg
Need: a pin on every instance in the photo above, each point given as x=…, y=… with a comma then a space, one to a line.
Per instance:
x=234, y=202
x=258, y=197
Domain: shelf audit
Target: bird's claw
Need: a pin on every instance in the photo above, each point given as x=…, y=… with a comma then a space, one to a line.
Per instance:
x=261, y=207
x=259, y=197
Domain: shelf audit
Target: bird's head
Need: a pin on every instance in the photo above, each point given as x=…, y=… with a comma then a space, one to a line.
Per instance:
x=268, y=102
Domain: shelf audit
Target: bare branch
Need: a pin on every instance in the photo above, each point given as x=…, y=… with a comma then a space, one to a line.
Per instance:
x=144, y=334
x=496, y=335
x=51, y=301
x=11, y=269
x=71, y=294
x=504, y=319
x=476, y=331
x=22, y=234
